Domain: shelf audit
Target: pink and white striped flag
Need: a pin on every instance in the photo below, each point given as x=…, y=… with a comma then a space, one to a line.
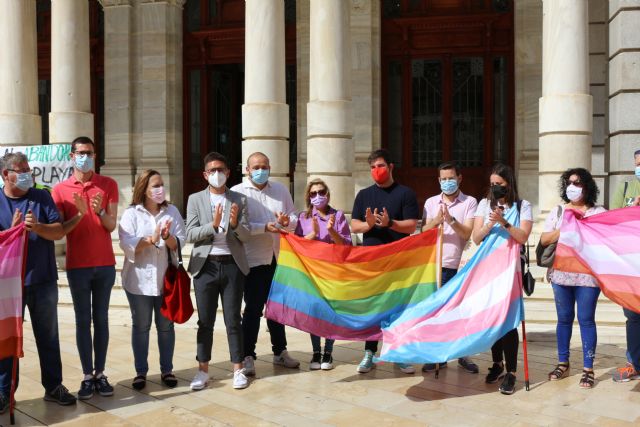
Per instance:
x=607, y=246
x=12, y=259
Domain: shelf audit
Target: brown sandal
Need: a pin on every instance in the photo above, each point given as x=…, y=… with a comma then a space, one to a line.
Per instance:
x=560, y=371
x=588, y=379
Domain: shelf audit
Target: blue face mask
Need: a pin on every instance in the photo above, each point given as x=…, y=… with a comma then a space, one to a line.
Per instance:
x=260, y=176
x=449, y=186
x=24, y=181
x=638, y=172
x=83, y=163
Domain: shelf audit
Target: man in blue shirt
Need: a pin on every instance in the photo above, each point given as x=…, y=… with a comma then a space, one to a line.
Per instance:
x=19, y=202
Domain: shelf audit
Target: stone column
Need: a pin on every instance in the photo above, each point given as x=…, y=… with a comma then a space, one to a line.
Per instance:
x=330, y=153
x=160, y=91
x=598, y=62
x=19, y=119
x=265, y=113
x=70, y=115
x=566, y=105
x=118, y=96
x=528, y=88
x=624, y=89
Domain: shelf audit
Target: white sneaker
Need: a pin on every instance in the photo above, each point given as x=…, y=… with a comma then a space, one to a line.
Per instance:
x=316, y=362
x=406, y=368
x=327, y=362
x=285, y=360
x=200, y=381
x=249, y=366
x=239, y=379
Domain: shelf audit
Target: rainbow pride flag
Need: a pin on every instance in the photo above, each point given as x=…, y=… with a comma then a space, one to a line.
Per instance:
x=605, y=245
x=474, y=309
x=12, y=259
x=347, y=292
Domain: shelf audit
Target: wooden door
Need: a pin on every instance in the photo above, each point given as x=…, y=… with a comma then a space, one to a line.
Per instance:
x=447, y=90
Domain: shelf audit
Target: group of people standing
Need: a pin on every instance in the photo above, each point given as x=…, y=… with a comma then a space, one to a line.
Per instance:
x=235, y=237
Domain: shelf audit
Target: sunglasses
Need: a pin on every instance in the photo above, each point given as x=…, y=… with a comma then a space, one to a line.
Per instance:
x=315, y=193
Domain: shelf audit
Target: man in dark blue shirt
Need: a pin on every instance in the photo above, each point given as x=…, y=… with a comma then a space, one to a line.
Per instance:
x=19, y=202
x=383, y=213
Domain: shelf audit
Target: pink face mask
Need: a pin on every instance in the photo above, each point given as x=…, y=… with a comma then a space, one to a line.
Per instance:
x=157, y=194
x=319, y=201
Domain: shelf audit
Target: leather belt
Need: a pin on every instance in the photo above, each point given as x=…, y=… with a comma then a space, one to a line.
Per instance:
x=220, y=258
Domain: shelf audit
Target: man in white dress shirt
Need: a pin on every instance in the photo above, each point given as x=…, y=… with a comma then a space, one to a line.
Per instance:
x=269, y=207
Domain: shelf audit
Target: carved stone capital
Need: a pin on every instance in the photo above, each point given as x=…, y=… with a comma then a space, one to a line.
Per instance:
x=115, y=3
x=178, y=3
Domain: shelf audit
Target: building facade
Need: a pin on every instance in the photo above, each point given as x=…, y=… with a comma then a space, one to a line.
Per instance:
x=542, y=85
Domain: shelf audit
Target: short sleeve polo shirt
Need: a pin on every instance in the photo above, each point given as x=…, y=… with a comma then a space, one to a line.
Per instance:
x=89, y=244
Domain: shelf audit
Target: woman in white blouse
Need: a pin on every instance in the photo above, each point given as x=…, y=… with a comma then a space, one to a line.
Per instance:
x=148, y=229
x=502, y=195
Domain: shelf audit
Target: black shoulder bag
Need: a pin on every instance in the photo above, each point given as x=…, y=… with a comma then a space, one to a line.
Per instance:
x=528, y=281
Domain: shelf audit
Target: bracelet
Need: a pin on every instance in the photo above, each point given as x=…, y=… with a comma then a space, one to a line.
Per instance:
x=166, y=238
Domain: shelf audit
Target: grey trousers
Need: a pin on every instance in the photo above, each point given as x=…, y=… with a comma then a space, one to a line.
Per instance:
x=219, y=279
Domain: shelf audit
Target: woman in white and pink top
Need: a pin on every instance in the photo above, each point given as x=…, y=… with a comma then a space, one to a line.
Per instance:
x=580, y=192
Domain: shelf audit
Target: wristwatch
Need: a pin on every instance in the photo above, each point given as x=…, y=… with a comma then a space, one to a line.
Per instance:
x=102, y=212
x=507, y=226
x=453, y=220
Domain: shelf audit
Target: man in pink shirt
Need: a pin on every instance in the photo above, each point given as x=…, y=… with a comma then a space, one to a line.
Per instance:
x=454, y=211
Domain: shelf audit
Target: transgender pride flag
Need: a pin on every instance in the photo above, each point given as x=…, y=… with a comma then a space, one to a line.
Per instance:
x=607, y=246
x=12, y=258
x=474, y=309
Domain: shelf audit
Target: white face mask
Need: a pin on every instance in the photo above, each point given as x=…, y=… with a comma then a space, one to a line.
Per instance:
x=574, y=193
x=158, y=194
x=217, y=179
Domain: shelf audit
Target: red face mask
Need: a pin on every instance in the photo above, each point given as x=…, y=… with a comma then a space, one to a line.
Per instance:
x=380, y=175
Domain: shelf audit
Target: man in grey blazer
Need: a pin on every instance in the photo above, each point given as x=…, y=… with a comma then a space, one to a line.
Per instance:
x=217, y=226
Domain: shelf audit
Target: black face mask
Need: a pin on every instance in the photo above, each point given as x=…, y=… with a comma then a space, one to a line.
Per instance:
x=498, y=191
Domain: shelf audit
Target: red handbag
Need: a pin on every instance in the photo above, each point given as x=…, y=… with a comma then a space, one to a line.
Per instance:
x=176, y=301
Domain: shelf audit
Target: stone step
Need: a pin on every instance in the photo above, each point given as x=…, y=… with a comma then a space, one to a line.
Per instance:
x=543, y=311
x=544, y=292
x=536, y=311
x=539, y=307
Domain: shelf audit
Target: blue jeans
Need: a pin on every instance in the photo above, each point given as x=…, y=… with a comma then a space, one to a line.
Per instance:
x=142, y=308
x=91, y=292
x=586, y=298
x=42, y=300
x=633, y=337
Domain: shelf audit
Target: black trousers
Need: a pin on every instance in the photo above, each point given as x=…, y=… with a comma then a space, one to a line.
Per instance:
x=256, y=292
x=507, y=345
x=219, y=279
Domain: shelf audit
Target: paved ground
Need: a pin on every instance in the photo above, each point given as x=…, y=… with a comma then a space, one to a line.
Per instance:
x=280, y=396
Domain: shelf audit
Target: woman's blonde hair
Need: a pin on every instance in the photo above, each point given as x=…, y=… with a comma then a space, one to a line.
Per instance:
x=307, y=197
x=140, y=187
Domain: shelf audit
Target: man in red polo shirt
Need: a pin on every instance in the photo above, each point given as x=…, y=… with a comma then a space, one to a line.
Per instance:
x=88, y=205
